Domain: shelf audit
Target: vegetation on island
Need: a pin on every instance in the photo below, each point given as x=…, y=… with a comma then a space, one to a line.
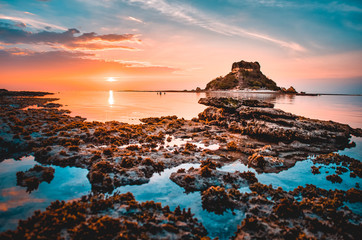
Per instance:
x=243, y=75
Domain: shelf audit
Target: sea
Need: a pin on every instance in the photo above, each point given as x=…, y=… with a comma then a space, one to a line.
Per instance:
x=129, y=107
x=71, y=182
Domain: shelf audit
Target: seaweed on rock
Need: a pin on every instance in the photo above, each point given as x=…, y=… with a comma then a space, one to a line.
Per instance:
x=34, y=176
x=91, y=218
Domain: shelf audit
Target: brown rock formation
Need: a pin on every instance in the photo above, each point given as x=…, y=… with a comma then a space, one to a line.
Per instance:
x=243, y=75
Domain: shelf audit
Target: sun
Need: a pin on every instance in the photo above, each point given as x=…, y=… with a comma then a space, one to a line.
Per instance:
x=111, y=79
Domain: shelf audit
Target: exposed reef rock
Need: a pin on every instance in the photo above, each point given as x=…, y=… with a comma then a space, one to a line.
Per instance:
x=233, y=104
x=276, y=214
x=217, y=199
x=207, y=175
x=4, y=92
x=34, y=176
x=105, y=176
x=115, y=217
x=288, y=137
x=354, y=165
x=243, y=75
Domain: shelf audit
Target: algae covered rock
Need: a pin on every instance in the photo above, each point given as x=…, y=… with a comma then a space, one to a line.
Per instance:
x=34, y=176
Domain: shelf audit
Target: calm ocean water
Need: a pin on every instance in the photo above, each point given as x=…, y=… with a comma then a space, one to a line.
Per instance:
x=71, y=183
x=131, y=106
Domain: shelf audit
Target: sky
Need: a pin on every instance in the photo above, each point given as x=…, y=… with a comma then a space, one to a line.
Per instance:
x=57, y=45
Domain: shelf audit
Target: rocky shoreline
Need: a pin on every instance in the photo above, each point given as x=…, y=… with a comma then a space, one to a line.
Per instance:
x=118, y=154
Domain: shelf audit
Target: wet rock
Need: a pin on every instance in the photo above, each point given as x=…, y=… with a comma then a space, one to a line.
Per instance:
x=4, y=92
x=200, y=179
x=354, y=165
x=319, y=214
x=315, y=170
x=52, y=105
x=290, y=137
x=34, y=176
x=233, y=104
x=215, y=199
x=354, y=195
x=105, y=176
x=334, y=178
x=99, y=217
x=261, y=163
x=257, y=160
x=287, y=209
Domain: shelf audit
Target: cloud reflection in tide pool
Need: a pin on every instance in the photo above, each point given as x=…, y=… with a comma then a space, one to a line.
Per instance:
x=70, y=183
x=15, y=203
x=162, y=189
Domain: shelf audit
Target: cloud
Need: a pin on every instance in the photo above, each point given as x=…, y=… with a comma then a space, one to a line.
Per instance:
x=187, y=14
x=141, y=64
x=18, y=55
x=16, y=51
x=330, y=6
x=71, y=70
x=134, y=19
x=29, y=13
x=27, y=56
x=71, y=39
x=32, y=22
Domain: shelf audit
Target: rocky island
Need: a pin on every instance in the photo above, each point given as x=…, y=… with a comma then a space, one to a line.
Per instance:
x=116, y=154
x=246, y=75
x=243, y=75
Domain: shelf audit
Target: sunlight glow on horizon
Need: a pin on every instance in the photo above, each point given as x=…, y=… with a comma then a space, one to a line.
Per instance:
x=111, y=79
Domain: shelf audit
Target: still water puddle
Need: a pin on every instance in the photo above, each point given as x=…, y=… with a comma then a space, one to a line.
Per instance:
x=15, y=203
x=162, y=189
x=355, y=152
x=71, y=183
x=301, y=175
x=172, y=142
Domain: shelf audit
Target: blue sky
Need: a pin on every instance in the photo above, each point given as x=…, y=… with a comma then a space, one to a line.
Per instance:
x=297, y=43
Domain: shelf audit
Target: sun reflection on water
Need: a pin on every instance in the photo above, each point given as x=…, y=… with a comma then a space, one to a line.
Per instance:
x=110, y=98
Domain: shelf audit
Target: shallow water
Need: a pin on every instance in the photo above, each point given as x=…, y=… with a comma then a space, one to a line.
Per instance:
x=15, y=203
x=355, y=152
x=162, y=189
x=131, y=106
x=70, y=183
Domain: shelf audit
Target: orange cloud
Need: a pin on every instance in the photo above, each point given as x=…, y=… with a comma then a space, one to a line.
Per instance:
x=13, y=34
x=16, y=197
x=60, y=70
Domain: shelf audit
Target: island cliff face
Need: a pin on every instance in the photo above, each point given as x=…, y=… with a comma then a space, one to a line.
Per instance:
x=243, y=75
